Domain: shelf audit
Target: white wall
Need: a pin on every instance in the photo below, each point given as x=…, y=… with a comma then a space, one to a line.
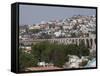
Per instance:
x=5, y=24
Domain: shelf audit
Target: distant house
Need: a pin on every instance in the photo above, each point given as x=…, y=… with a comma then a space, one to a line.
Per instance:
x=22, y=28
x=57, y=34
x=31, y=26
x=44, y=64
x=41, y=64
x=37, y=27
x=67, y=27
x=76, y=62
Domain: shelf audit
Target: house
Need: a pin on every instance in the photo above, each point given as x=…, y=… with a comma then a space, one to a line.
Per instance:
x=35, y=26
x=22, y=28
x=57, y=34
x=76, y=62
x=44, y=64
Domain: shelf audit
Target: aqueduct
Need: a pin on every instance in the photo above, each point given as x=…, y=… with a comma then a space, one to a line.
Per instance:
x=89, y=42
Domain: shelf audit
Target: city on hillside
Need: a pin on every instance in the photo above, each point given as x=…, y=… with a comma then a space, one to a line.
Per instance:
x=76, y=26
x=58, y=44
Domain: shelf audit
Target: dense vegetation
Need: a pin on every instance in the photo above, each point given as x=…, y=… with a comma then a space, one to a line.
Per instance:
x=51, y=53
x=26, y=60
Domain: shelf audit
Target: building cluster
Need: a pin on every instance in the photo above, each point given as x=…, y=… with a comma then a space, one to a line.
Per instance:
x=76, y=26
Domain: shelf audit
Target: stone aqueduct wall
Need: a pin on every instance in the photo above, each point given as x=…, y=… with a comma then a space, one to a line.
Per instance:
x=89, y=42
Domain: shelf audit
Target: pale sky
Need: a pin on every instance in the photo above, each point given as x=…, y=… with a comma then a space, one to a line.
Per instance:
x=31, y=14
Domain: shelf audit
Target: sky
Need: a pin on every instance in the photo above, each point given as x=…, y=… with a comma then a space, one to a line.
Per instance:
x=32, y=14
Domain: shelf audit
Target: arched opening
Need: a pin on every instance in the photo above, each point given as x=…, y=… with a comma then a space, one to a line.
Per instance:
x=82, y=42
x=91, y=42
x=87, y=41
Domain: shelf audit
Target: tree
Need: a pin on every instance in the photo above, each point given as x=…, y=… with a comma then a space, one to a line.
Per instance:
x=83, y=50
x=79, y=51
x=34, y=30
x=73, y=34
x=26, y=60
x=57, y=53
x=45, y=36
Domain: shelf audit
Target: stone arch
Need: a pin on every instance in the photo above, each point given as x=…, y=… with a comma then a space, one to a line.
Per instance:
x=87, y=41
x=91, y=41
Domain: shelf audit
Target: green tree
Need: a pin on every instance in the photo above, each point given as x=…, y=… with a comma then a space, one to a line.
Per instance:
x=57, y=53
x=26, y=60
x=34, y=30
